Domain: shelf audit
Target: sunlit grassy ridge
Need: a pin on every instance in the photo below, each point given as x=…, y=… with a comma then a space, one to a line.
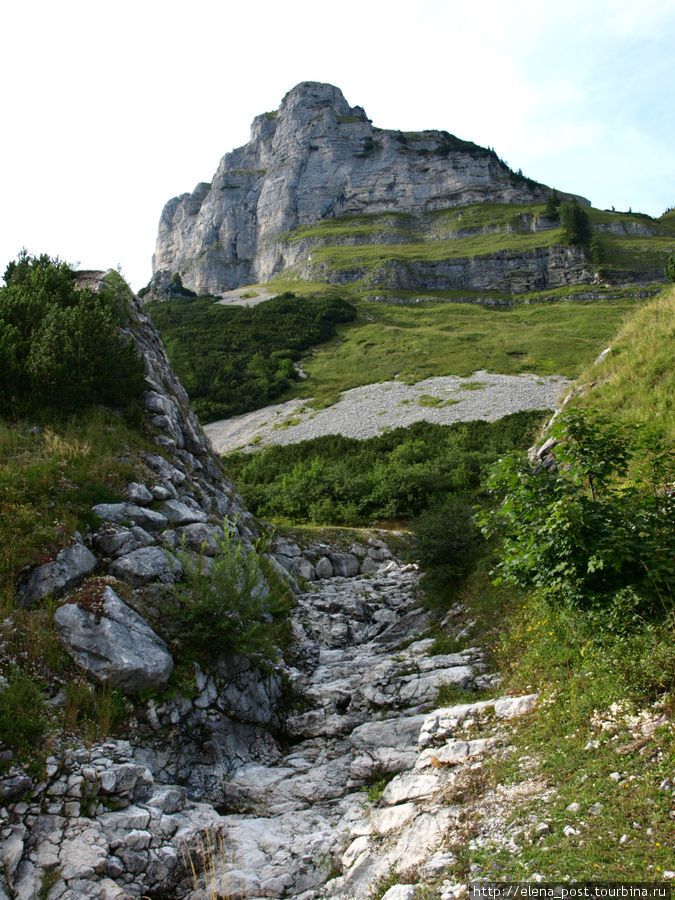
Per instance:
x=366, y=242
x=413, y=342
x=600, y=747
x=636, y=379
x=369, y=255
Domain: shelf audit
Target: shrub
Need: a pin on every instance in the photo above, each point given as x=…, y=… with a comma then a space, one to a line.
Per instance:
x=59, y=343
x=576, y=226
x=597, y=250
x=447, y=541
x=232, y=359
x=600, y=524
x=177, y=288
x=670, y=268
x=399, y=474
x=230, y=608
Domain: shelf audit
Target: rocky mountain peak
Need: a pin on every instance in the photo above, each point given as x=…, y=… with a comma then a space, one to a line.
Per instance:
x=315, y=158
x=312, y=96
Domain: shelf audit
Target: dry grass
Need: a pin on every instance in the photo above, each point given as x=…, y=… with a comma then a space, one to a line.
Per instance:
x=212, y=864
x=637, y=377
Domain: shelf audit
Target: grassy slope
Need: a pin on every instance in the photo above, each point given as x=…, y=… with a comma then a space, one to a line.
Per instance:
x=635, y=382
x=51, y=473
x=479, y=229
x=50, y=476
x=600, y=747
x=419, y=341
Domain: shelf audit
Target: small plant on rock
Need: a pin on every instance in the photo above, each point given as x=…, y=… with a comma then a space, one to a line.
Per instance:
x=375, y=784
x=231, y=608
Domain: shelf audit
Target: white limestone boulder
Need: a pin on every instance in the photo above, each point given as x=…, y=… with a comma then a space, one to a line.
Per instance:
x=114, y=645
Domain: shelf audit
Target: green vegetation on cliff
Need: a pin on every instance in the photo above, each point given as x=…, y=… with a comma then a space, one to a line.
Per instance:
x=69, y=438
x=359, y=248
x=59, y=342
x=232, y=359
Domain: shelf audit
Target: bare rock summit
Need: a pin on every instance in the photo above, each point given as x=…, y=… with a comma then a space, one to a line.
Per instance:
x=317, y=158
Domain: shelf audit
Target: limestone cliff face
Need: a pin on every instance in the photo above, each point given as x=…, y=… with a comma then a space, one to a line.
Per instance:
x=317, y=158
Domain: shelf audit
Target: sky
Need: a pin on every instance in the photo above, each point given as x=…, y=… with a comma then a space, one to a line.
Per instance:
x=110, y=109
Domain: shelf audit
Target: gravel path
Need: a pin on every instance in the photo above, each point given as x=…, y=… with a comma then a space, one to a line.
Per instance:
x=366, y=411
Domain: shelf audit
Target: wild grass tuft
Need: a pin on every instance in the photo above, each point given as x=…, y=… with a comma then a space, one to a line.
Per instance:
x=51, y=473
x=23, y=718
x=211, y=863
x=636, y=378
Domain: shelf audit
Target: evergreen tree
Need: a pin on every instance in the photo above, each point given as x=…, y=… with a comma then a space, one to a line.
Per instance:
x=59, y=343
x=552, y=205
x=670, y=268
x=576, y=226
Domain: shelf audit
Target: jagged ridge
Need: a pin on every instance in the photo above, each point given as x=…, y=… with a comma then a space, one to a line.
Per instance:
x=317, y=158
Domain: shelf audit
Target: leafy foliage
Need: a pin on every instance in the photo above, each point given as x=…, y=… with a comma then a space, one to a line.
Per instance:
x=59, y=343
x=397, y=475
x=599, y=529
x=233, y=359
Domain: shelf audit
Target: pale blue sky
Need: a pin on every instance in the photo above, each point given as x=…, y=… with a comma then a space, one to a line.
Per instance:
x=111, y=109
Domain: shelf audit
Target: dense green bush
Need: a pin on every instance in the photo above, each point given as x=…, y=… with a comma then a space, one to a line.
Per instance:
x=232, y=359
x=59, y=343
x=397, y=475
x=576, y=225
x=599, y=530
x=447, y=543
x=232, y=608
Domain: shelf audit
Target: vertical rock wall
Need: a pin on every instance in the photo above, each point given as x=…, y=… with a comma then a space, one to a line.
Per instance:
x=316, y=158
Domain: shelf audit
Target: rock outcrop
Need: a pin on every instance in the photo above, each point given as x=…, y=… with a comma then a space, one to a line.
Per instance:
x=245, y=782
x=317, y=158
x=114, y=644
x=107, y=584
x=238, y=813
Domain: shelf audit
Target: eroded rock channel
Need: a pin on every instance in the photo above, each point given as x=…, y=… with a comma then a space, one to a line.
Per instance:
x=249, y=784
x=275, y=818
